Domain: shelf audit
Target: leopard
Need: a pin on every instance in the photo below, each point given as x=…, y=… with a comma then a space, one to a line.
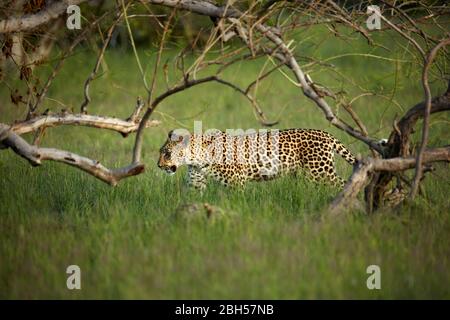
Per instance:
x=235, y=159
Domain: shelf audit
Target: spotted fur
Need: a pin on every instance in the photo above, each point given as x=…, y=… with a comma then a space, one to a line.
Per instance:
x=254, y=157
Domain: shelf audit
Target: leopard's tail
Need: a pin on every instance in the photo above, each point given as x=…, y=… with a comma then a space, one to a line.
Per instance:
x=342, y=150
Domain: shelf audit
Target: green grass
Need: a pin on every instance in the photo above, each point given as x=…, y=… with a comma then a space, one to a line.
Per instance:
x=272, y=240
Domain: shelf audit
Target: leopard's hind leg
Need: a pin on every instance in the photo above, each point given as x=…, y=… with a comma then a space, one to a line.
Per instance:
x=323, y=171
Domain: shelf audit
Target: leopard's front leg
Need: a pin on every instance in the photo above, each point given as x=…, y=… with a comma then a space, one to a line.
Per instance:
x=197, y=178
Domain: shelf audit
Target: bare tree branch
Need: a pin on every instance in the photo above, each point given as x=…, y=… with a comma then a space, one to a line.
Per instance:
x=122, y=126
x=36, y=155
x=426, y=118
x=87, y=98
x=201, y=7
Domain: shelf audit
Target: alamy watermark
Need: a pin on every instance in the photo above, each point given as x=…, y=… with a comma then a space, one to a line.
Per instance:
x=74, y=279
x=374, y=280
x=373, y=22
x=73, y=21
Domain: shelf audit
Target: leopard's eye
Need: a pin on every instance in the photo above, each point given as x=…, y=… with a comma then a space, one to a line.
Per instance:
x=168, y=154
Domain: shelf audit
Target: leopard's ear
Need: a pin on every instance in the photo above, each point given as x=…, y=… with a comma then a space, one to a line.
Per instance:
x=173, y=136
x=179, y=135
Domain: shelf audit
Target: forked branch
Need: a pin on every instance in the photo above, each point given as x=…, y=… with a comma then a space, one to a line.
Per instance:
x=364, y=168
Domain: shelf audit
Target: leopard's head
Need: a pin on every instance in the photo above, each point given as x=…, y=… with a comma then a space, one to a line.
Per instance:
x=173, y=153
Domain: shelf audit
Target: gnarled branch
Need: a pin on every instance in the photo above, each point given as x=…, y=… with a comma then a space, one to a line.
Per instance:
x=399, y=139
x=365, y=167
x=122, y=126
x=36, y=155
